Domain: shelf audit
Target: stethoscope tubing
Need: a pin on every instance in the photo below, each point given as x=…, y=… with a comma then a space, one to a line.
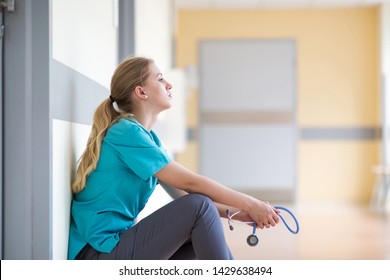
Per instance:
x=284, y=221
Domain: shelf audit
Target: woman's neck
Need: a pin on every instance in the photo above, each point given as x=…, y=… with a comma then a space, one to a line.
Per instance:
x=146, y=120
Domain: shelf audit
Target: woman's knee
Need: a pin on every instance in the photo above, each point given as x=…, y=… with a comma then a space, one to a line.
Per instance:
x=201, y=203
x=201, y=199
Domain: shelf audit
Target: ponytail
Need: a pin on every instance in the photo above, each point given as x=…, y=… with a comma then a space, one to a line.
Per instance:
x=104, y=116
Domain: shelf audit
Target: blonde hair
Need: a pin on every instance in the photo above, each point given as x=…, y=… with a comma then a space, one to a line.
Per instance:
x=129, y=74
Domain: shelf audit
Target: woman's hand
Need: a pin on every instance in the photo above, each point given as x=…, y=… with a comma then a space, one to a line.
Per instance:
x=263, y=214
x=245, y=217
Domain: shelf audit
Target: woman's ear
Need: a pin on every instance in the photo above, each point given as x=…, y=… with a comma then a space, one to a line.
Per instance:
x=140, y=93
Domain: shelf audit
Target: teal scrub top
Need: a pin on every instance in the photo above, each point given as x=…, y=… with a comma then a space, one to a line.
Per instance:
x=118, y=189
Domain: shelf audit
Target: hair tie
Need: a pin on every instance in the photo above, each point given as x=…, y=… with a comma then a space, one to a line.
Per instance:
x=112, y=99
x=116, y=108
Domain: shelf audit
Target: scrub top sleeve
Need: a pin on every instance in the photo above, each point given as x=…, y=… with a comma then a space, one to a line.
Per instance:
x=138, y=149
x=145, y=162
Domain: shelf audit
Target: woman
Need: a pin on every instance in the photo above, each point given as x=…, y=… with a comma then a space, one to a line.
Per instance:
x=118, y=171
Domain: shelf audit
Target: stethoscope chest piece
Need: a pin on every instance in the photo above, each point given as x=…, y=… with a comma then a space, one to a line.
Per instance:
x=252, y=240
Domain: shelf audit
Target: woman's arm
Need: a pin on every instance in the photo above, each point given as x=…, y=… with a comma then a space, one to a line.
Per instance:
x=176, y=175
x=175, y=193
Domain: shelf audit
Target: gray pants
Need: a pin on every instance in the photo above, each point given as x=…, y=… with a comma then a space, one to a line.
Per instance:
x=186, y=228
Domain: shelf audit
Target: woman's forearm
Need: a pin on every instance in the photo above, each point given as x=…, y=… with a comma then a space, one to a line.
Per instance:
x=181, y=178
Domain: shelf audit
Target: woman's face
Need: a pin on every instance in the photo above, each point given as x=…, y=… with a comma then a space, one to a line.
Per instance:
x=157, y=89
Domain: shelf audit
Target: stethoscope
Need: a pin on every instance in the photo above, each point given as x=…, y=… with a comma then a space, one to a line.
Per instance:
x=252, y=239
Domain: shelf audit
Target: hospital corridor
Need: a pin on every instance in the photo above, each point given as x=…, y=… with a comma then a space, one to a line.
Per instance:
x=286, y=101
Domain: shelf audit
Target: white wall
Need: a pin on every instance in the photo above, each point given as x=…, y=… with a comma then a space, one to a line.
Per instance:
x=84, y=41
x=69, y=141
x=85, y=37
x=154, y=31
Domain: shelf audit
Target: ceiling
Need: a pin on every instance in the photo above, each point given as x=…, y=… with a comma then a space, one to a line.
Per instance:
x=258, y=4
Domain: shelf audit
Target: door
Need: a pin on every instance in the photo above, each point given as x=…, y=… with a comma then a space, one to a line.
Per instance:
x=247, y=115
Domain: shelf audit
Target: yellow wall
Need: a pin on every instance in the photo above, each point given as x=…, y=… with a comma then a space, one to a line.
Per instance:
x=337, y=80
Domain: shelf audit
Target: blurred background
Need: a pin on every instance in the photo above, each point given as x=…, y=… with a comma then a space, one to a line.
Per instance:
x=286, y=100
